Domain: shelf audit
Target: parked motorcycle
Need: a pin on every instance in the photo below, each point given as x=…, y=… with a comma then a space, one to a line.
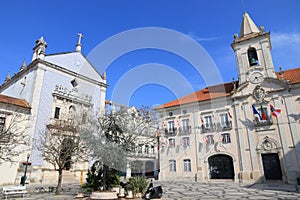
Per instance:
x=153, y=192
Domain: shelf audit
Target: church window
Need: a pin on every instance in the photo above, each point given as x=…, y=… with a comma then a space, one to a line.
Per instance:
x=84, y=116
x=2, y=123
x=74, y=83
x=252, y=56
x=72, y=112
x=56, y=113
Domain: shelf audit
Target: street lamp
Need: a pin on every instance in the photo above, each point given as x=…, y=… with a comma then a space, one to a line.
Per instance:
x=158, y=153
x=23, y=178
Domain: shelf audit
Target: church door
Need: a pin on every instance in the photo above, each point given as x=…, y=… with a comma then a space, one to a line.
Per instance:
x=271, y=165
x=221, y=167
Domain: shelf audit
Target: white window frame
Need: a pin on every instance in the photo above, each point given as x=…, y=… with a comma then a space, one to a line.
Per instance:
x=208, y=122
x=186, y=141
x=226, y=139
x=171, y=144
x=185, y=124
x=224, y=120
x=187, y=167
x=172, y=165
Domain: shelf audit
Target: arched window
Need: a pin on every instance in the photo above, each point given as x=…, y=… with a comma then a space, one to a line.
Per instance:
x=252, y=56
x=72, y=111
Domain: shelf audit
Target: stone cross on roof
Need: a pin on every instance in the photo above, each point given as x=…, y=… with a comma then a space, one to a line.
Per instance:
x=78, y=45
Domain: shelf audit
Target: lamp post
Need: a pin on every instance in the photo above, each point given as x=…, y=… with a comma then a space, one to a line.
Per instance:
x=158, y=153
x=23, y=178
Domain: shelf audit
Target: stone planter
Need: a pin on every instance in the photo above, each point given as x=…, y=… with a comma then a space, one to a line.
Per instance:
x=121, y=193
x=129, y=194
x=138, y=195
x=104, y=195
x=116, y=189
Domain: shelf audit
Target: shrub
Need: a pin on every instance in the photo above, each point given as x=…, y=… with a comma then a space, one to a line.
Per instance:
x=137, y=184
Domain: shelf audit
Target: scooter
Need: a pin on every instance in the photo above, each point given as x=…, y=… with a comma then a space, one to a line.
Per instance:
x=153, y=192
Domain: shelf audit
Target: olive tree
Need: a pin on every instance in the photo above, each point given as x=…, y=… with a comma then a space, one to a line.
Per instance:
x=115, y=135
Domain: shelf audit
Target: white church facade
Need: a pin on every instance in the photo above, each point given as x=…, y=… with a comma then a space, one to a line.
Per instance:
x=243, y=131
x=57, y=87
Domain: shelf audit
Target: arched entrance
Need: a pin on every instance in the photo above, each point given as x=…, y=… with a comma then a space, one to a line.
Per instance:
x=221, y=167
x=149, y=169
x=66, y=151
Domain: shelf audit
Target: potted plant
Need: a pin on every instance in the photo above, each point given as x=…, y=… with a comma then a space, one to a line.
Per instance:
x=137, y=185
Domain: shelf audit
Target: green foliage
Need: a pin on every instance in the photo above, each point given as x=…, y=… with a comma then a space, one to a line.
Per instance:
x=101, y=177
x=113, y=178
x=93, y=180
x=137, y=184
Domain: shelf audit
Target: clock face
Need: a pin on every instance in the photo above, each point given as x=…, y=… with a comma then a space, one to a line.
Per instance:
x=256, y=77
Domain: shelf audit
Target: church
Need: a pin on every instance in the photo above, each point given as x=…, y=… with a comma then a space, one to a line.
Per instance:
x=50, y=91
x=242, y=131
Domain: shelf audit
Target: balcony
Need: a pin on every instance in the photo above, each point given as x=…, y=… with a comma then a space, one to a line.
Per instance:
x=65, y=125
x=224, y=126
x=260, y=123
x=207, y=129
x=170, y=132
x=185, y=130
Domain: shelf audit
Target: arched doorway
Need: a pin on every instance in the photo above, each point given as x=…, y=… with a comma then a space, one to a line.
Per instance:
x=67, y=147
x=221, y=167
x=149, y=169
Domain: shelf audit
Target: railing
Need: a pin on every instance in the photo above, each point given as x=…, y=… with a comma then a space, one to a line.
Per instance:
x=211, y=128
x=185, y=130
x=216, y=127
x=224, y=127
x=268, y=122
x=170, y=132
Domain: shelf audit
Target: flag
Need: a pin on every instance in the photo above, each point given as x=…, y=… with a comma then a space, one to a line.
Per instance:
x=263, y=114
x=201, y=119
x=275, y=111
x=229, y=114
x=255, y=112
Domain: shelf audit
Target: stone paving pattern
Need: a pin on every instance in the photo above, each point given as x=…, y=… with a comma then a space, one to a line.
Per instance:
x=190, y=190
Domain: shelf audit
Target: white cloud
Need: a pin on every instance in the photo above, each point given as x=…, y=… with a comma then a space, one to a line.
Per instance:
x=201, y=39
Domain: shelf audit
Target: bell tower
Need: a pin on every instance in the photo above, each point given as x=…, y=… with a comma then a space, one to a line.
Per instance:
x=253, y=52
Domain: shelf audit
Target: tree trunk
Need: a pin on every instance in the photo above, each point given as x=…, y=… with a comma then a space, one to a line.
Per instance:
x=58, y=187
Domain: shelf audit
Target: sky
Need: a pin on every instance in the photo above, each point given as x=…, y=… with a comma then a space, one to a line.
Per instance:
x=148, y=75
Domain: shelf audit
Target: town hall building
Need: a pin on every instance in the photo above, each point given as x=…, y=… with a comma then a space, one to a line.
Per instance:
x=246, y=130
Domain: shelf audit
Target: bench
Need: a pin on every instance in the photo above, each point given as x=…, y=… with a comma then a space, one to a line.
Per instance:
x=14, y=190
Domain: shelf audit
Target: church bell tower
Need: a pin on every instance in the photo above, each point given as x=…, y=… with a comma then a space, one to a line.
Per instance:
x=253, y=53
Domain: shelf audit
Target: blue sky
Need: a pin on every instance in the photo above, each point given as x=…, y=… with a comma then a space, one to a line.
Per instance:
x=210, y=23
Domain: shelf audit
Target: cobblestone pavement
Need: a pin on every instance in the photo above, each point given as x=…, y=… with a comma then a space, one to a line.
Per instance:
x=189, y=190
x=217, y=190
